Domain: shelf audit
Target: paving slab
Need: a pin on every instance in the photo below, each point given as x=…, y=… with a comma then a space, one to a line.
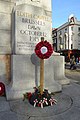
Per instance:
x=72, y=114
x=25, y=108
x=4, y=105
x=8, y=115
x=67, y=108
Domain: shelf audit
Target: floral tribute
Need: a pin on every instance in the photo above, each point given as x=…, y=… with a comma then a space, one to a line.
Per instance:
x=43, y=49
x=2, y=89
x=38, y=100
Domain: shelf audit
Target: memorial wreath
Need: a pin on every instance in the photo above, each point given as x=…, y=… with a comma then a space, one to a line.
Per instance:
x=43, y=49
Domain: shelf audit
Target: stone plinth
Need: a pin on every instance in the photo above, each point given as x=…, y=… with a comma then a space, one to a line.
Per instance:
x=59, y=69
x=26, y=75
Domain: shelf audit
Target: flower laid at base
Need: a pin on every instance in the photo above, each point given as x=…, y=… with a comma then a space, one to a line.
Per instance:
x=38, y=100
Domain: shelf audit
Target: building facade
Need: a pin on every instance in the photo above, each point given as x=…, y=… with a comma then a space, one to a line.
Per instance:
x=66, y=38
x=54, y=37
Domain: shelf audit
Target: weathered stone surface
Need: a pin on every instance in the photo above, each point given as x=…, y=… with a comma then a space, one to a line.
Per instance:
x=31, y=23
x=5, y=27
x=5, y=42
x=8, y=0
x=40, y=3
x=2, y=69
x=5, y=69
x=26, y=75
x=59, y=69
x=5, y=7
x=50, y=82
x=5, y=20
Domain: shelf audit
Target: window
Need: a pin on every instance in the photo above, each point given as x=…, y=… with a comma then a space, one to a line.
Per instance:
x=55, y=34
x=60, y=32
x=65, y=29
x=65, y=40
x=54, y=40
x=71, y=46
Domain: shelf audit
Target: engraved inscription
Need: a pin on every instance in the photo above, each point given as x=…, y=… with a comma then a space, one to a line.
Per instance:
x=30, y=28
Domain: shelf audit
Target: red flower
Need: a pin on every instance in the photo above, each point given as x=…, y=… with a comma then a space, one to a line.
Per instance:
x=29, y=95
x=38, y=105
x=48, y=47
x=2, y=89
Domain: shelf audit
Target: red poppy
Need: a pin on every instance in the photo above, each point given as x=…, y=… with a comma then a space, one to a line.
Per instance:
x=2, y=89
x=43, y=49
x=29, y=95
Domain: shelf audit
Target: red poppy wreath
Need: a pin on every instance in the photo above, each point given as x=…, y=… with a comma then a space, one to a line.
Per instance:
x=2, y=89
x=43, y=49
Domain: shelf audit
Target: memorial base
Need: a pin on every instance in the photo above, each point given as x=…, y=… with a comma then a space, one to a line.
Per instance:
x=59, y=70
x=25, y=70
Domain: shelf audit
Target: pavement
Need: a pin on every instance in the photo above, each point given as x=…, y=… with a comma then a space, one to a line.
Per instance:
x=67, y=108
x=72, y=74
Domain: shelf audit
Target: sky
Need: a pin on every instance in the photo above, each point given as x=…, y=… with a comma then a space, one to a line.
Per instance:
x=62, y=9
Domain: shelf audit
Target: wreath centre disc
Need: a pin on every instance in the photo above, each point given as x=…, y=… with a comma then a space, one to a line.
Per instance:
x=44, y=50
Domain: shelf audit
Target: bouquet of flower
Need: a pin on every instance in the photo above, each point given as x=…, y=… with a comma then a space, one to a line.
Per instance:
x=38, y=100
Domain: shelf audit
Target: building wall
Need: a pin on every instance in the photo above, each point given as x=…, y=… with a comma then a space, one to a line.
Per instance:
x=70, y=30
x=61, y=34
x=5, y=26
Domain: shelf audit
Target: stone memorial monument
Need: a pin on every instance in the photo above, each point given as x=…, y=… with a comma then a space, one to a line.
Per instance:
x=28, y=21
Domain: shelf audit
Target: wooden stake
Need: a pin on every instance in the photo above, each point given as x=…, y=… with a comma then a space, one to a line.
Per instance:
x=41, y=73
